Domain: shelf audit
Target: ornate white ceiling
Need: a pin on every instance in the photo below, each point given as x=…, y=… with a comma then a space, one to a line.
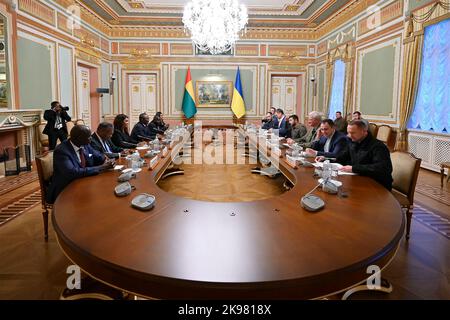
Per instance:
x=262, y=13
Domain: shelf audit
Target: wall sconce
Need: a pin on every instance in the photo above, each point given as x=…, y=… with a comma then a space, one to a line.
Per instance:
x=111, y=83
x=313, y=84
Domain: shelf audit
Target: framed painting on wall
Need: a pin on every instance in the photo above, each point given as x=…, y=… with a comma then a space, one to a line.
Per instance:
x=3, y=94
x=214, y=94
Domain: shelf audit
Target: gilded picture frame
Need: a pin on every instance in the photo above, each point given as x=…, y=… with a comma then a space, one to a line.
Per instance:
x=213, y=94
x=3, y=94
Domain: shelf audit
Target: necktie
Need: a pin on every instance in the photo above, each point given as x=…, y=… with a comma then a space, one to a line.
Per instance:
x=82, y=158
x=105, y=145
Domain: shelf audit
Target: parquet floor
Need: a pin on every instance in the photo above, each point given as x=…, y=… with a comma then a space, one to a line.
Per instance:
x=31, y=268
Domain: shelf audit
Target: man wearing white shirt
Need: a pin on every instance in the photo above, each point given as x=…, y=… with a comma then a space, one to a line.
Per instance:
x=74, y=159
x=330, y=141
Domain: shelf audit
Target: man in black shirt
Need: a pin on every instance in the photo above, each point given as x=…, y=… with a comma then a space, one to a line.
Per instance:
x=366, y=155
x=267, y=121
x=56, y=127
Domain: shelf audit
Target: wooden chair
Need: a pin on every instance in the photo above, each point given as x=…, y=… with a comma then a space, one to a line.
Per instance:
x=373, y=128
x=43, y=138
x=443, y=166
x=384, y=133
x=405, y=172
x=70, y=126
x=44, y=165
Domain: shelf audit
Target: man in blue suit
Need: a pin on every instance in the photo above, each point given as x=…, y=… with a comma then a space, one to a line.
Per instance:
x=273, y=110
x=73, y=159
x=284, y=129
x=330, y=143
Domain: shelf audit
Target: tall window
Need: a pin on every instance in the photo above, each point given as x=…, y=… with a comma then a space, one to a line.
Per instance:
x=337, y=89
x=432, y=105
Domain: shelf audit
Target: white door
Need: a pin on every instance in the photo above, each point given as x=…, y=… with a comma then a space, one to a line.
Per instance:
x=284, y=94
x=142, y=95
x=84, y=96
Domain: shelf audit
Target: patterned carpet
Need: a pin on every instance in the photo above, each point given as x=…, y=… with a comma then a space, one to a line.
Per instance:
x=18, y=207
x=432, y=220
x=436, y=193
x=8, y=184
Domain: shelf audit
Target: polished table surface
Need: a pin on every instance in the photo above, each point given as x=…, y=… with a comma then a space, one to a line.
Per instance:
x=269, y=248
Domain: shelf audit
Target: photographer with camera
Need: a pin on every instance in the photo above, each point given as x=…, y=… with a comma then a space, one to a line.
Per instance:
x=56, y=127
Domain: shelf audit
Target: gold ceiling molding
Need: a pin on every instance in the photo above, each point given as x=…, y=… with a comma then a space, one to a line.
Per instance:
x=386, y=14
x=343, y=16
x=38, y=10
x=178, y=33
x=246, y=50
x=86, y=15
x=279, y=34
x=139, y=6
x=287, y=52
x=181, y=49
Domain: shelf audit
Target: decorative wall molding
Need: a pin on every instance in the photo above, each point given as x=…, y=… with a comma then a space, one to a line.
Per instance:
x=392, y=117
x=38, y=10
x=381, y=17
x=342, y=37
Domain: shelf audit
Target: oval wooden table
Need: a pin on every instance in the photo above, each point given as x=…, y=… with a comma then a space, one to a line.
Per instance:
x=267, y=249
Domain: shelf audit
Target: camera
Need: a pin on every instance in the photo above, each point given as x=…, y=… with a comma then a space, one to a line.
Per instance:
x=66, y=108
x=113, y=76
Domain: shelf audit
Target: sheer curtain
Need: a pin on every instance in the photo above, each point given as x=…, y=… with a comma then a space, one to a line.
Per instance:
x=337, y=89
x=432, y=105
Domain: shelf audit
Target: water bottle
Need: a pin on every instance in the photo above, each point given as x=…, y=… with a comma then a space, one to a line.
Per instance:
x=326, y=170
x=135, y=157
x=156, y=146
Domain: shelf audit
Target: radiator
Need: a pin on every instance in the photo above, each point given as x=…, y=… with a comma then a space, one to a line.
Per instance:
x=432, y=148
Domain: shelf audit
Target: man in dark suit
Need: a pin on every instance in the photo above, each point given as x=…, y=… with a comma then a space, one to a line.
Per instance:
x=73, y=159
x=141, y=131
x=56, y=127
x=282, y=124
x=101, y=140
x=331, y=142
x=273, y=110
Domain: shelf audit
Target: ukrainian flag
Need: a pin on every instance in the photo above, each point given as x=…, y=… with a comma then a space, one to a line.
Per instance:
x=238, y=104
x=188, y=104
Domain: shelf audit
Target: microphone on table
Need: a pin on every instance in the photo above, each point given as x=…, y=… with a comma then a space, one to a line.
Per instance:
x=311, y=202
x=329, y=187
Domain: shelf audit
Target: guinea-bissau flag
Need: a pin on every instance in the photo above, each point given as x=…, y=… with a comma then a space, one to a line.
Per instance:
x=188, y=105
x=238, y=104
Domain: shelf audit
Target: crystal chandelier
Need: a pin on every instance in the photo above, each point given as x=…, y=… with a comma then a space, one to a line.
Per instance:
x=215, y=24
